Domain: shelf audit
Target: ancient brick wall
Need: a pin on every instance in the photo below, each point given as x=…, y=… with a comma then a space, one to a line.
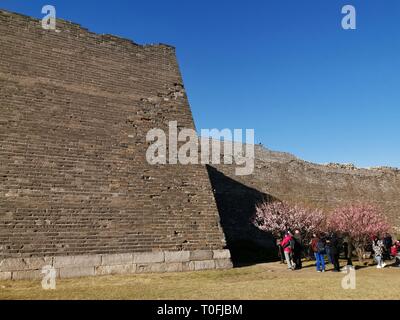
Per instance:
x=75, y=108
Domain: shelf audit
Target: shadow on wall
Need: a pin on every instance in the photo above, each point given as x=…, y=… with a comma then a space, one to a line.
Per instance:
x=236, y=205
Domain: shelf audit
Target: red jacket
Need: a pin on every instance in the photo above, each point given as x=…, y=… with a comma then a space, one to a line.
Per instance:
x=286, y=243
x=314, y=244
x=394, y=250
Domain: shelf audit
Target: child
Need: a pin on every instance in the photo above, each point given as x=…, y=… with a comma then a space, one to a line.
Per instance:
x=378, y=247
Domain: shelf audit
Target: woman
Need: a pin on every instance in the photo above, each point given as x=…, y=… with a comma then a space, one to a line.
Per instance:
x=287, y=249
x=378, y=247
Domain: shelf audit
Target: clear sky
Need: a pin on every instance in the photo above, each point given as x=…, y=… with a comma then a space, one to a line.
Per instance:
x=285, y=67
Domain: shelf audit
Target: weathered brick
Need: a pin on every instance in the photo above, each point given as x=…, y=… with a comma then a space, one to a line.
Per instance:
x=188, y=266
x=177, y=256
x=221, y=254
x=75, y=272
x=174, y=267
x=116, y=269
x=204, y=265
x=5, y=275
x=201, y=255
x=116, y=259
x=159, y=267
x=78, y=261
x=148, y=257
x=150, y=267
x=16, y=264
x=27, y=275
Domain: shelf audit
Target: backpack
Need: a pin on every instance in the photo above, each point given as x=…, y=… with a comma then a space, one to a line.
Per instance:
x=314, y=242
x=321, y=246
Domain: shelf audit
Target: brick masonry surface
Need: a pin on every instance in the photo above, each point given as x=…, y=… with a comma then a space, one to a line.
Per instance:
x=75, y=108
x=109, y=264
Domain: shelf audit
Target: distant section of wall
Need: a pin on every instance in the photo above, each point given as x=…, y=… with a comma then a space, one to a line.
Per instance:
x=282, y=176
x=75, y=108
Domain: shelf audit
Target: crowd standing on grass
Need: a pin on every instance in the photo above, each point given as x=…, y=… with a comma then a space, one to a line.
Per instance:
x=326, y=248
x=336, y=233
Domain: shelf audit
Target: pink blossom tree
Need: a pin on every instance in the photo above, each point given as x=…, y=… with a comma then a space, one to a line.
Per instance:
x=277, y=217
x=360, y=222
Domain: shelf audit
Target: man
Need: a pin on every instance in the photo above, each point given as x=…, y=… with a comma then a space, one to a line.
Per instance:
x=348, y=249
x=334, y=252
x=318, y=247
x=388, y=243
x=298, y=249
x=328, y=249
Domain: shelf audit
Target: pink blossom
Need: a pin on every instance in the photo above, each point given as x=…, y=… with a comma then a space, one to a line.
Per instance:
x=360, y=221
x=276, y=217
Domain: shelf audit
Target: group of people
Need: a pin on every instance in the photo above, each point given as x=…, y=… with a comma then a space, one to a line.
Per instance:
x=292, y=249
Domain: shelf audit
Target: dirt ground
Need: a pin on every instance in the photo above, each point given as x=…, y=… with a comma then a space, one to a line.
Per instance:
x=261, y=281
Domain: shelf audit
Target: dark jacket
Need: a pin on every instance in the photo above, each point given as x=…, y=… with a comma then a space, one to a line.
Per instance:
x=334, y=245
x=321, y=246
x=298, y=242
x=388, y=242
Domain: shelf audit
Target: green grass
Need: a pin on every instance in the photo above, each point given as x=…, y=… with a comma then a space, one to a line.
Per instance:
x=262, y=281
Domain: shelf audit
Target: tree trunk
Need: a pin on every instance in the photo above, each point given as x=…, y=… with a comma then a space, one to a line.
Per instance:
x=360, y=254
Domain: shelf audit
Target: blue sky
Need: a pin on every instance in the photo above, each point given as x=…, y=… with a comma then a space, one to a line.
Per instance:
x=285, y=68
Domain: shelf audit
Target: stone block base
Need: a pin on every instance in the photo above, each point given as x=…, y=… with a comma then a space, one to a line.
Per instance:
x=109, y=264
